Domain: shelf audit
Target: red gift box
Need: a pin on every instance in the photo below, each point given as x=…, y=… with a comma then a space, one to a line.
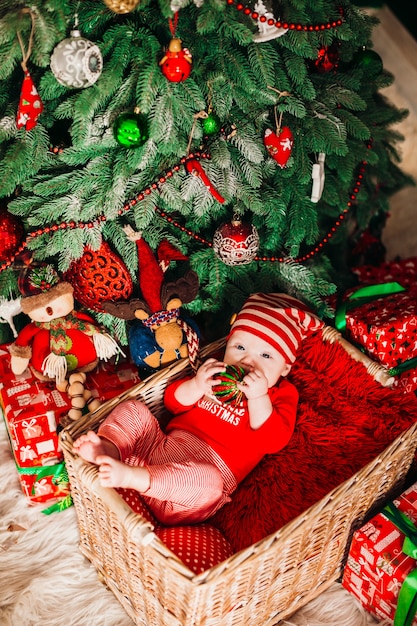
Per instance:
x=377, y=566
x=386, y=327
x=45, y=484
x=403, y=272
x=32, y=410
x=110, y=379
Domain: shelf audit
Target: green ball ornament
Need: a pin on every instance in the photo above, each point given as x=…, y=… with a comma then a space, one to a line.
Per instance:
x=211, y=124
x=131, y=129
x=369, y=61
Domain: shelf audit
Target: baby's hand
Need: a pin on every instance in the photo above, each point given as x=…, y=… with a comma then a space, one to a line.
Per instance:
x=204, y=378
x=254, y=385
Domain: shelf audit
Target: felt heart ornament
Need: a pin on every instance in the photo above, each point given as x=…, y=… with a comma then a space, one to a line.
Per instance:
x=279, y=146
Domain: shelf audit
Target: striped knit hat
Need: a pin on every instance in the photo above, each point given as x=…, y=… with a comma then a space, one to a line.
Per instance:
x=279, y=319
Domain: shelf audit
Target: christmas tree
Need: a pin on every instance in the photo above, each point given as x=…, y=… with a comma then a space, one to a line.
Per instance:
x=252, y=137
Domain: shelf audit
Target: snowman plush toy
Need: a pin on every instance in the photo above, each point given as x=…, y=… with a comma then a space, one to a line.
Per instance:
x=59, y=344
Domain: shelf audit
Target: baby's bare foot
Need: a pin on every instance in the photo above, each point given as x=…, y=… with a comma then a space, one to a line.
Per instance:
x=114, y=473
x=89, y=446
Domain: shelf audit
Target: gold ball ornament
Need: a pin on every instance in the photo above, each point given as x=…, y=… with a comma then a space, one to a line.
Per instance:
x=121, y=6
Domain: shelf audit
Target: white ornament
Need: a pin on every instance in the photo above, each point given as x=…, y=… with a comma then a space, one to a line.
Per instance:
x=8, y=310
x=76, y=62
x=177, y=5
x=267, y=31
x=318, y=176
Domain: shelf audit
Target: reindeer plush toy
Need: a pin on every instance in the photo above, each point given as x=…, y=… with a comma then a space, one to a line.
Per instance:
x=162, y=334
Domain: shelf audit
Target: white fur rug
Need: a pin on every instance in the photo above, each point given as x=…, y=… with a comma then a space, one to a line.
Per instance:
x=45, y=581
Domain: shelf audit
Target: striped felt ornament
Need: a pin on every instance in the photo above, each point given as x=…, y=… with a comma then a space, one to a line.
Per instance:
x=226, y=388
x=279, y=319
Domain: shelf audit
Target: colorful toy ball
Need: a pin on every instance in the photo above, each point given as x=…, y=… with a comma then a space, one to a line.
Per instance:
x=226, y=389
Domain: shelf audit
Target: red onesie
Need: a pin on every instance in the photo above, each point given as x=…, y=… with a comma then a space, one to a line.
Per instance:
x=226, y=428
x=206, y=450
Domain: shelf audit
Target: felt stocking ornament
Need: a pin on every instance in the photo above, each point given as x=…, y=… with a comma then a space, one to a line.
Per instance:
x=30, y=103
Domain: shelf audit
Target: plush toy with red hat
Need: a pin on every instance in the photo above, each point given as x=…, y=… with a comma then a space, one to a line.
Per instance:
x=59, y=341
x=161, y=333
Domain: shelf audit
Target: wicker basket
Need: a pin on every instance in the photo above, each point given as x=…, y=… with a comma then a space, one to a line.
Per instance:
x=262, y=584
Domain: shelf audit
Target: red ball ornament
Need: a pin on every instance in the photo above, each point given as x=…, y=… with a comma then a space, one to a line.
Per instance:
x=98, y=276
x=279, y=146
x=176, y=63
x=226, y=388
x=11, y=234
x=236, y=243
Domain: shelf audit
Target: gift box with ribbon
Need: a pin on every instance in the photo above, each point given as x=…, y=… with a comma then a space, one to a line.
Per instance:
x=32, y=410
x=403, y=271
x=382, y=319
x=48, y=483
x=381, y=568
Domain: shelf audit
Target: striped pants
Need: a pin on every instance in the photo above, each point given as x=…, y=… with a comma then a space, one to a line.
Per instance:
x=189, y=482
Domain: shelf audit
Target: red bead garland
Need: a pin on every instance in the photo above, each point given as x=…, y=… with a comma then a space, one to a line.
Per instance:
x=162, y=179
x=288, y=26
x=341, y=217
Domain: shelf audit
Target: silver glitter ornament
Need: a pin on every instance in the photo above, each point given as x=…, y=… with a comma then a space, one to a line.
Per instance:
x=76, y=62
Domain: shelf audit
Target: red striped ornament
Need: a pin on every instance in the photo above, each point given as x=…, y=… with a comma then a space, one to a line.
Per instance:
x=226, y=389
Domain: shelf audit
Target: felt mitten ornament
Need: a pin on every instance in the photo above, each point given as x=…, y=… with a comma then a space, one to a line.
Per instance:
x=30, y=104
x=279, y=145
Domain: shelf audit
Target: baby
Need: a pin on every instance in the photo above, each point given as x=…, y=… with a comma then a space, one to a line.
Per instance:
x=188, y=472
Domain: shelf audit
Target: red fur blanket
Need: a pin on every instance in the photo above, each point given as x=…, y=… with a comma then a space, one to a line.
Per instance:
x=345, y=419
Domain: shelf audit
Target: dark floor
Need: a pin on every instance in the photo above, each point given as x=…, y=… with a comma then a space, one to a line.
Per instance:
x=406, y=12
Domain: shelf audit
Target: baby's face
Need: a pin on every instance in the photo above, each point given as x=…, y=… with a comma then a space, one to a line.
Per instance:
x=253, y=353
